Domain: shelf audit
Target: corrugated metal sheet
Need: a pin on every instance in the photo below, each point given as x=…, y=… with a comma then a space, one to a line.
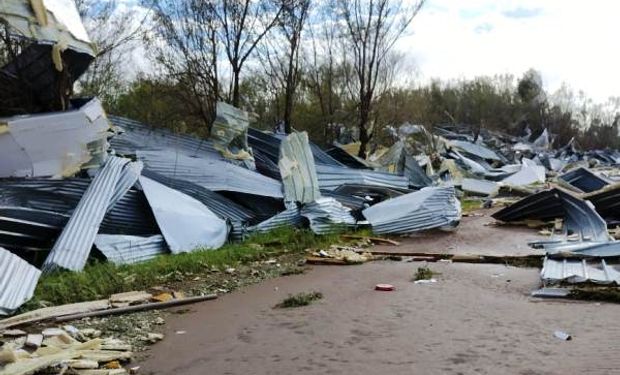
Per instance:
x=479, y=187
x=138, y=136
x=545, y=205
x=579, y=249
x=581, y=218
x=347, y=200
x=431, y=207
x=584, y=180
x=529, y=174
x=63, y=23
x=347, y=159
x=210, y=173
x=331, y=177
x=72, y=248
x=185, y=223
x=298, y=170
x=130, y=215
x=54, y=144
x=18, y=280
x=476, y=149
x=289, y=217
x=220, y=205
x=327, y=215
x=269, y=146
x=120, y=249
x=579, y=271
x=606, y=201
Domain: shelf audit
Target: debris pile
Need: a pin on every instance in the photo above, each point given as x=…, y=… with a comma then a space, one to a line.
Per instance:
x=63, y=350
x=76, y=184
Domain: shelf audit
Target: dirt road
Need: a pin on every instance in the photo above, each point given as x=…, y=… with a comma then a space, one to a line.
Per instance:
x=477, y=319
x=475, y=235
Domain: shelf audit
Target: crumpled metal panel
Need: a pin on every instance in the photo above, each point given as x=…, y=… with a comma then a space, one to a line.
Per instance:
x=135, y=136
x=584, y=180
x=58, y=198
x=220, y=205
x=475, y=149
x=72, y=248
x=347, y=200
x=581, y=218
x=186, y=224
x=582, y=249
x=289, y=217
x=229, y=132
x=416, y=175
x=31, y=81
x=269, y=146
x=298, y=170
x=479, y=187
x=55, y=144
x=579, y=271
x=346, y=159
x=431, y=207
x=210, y=173
x=530, y=173
x=25, y=229
x=18, y=280
x=327, y=215
x=330, y=178
x=542, y=142
x=58, y=23
x=606, y=201
x=120, y=249
x=544, y=205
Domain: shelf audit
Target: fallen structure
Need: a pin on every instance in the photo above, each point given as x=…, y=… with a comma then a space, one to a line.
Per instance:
x=73, y=180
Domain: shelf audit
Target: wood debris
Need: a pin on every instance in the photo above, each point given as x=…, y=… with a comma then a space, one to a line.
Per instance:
x=55, y=351
x=339, y=255
x=385, y=241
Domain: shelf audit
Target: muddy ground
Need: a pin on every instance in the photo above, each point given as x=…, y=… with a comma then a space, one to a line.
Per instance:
x=476, y=319
x=476, y=235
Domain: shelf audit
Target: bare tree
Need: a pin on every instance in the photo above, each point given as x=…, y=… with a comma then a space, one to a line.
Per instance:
x=281, y=54
x=242, y=25
x=186, y=47
x=372, y=28
x=115, y=31
x=323, y=72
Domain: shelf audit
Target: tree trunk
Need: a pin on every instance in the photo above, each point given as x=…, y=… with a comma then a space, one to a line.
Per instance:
x=363, y=127
x=288, y=98
x=236, y=97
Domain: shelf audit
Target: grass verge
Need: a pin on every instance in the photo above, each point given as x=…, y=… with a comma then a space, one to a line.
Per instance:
x=469, y=205
x=298, y=300
x=101, y=279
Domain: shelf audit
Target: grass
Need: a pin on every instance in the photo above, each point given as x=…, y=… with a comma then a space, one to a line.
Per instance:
x=423, y=273
x=101, y=279
x=470, y=205
x=298, y=300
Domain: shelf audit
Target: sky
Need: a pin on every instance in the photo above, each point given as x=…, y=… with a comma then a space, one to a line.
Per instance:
x=569, y=41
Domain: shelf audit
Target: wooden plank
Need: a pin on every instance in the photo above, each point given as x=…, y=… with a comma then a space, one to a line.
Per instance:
x=373, y=239
x=48, y=313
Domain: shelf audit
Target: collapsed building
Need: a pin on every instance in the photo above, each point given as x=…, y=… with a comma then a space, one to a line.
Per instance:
x=77, y=184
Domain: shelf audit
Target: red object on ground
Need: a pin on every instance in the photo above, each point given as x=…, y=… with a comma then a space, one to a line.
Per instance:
x=384, y=287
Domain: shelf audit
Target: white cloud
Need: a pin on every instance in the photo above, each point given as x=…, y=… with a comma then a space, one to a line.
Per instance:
x=567, y=41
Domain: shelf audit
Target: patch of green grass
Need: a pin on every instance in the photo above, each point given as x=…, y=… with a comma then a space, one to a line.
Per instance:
x=423, y=273
x=469, y=205
x=99, y=280
x=298, y=300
